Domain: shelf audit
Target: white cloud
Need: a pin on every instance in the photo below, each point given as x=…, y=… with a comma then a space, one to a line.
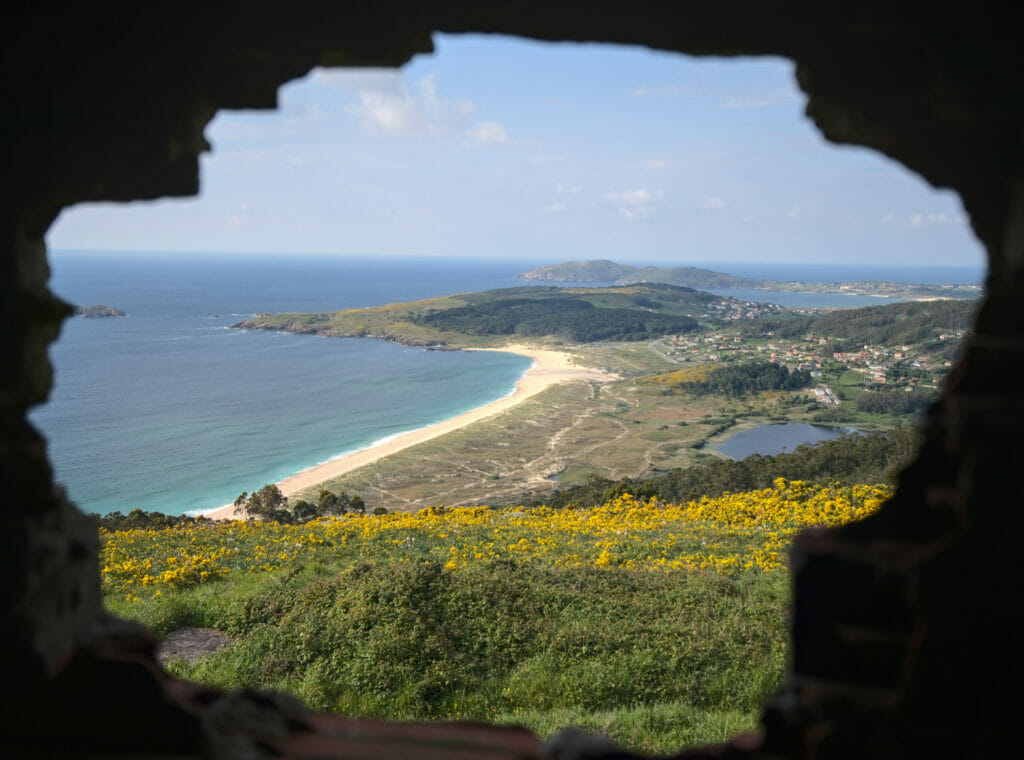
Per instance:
x=567, y=189
x=888, y=217
x=556, y=208
x=654, y=163
x=921, y=220
x=635, y=204
x=387, y=107
x=489, y=132
x=794, y=213
x=638, y=197
x=359, y=79
x=388, y=114
x=428, y=87
x=234, y=221
x=714, y=203
x=244, y=207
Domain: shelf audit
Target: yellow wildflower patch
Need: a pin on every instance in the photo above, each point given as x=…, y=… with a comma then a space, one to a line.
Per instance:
x=729, y=534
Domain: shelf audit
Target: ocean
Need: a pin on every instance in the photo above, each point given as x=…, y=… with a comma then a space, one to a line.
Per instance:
x=168, y=409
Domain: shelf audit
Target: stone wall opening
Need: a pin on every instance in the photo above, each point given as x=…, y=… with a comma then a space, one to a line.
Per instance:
x=902, y=631
x=156, y=232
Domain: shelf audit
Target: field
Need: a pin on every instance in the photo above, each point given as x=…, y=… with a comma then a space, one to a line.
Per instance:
x=657, y=624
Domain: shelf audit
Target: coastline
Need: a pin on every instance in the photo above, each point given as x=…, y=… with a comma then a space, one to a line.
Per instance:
x=549, y=368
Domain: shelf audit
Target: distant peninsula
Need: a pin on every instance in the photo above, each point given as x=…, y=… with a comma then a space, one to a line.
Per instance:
x=605, y=271
x=98, y=311
x=489, y=319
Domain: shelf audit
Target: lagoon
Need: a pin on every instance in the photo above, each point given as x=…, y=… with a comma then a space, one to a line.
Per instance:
x=775, y=438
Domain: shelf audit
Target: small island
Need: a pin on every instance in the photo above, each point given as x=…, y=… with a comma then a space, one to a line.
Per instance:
x=98, y=311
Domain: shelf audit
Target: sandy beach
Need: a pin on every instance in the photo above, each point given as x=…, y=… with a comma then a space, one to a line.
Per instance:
x=549, y=368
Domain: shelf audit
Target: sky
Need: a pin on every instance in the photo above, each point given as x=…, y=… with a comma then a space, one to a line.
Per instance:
x=500, y=147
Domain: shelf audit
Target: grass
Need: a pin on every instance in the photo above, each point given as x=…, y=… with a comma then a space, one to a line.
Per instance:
x=656, y=624
x=852, y=378
x=652, y=660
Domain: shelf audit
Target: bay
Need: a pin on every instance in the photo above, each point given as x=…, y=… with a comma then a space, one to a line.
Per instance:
x=169, y=409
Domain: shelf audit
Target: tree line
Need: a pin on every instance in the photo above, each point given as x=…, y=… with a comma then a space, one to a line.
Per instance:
x=737, y=380
x=894, y=401
x=268, y=504
x=851, y=459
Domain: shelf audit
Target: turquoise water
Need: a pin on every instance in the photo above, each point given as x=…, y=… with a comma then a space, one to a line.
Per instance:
x=168, y=409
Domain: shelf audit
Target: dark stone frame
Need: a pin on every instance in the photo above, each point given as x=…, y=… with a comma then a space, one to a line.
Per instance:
x=903, y=625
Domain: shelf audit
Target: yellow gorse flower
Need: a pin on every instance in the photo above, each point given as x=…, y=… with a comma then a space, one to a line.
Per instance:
x=729, y=534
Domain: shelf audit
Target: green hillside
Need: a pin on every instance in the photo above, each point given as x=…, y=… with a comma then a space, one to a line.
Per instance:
x=628, y=313
x=905, y=322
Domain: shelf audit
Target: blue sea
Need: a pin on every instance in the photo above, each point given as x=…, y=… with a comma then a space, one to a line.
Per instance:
x=169, y=409
x=929, y=275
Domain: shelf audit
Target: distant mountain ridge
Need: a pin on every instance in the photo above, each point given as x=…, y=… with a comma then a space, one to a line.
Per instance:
x=605, y=271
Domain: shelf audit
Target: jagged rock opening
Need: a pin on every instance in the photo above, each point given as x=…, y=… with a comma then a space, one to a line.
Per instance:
x=903, y=625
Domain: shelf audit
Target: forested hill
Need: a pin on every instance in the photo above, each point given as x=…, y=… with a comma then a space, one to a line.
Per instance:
x=631, y=312
x=905, y=322
x=575, y=318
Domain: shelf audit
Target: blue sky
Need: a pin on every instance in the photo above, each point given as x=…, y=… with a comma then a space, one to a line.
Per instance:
x=498, y=147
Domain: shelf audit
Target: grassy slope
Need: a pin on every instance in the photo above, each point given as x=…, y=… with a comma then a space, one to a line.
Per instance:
x=658, y=623
x=655, y=661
